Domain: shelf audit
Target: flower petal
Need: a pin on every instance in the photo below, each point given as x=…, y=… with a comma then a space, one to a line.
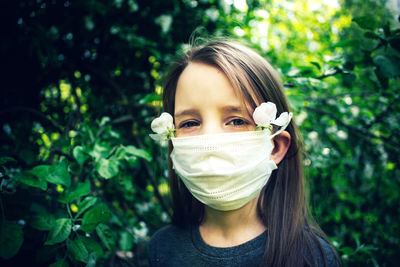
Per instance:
x=162, y=139
x=264, y=114
x=162, y=124
x=282, y=120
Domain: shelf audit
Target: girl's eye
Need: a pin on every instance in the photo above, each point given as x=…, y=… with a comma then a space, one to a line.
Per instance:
x=189, y=124
x=237, y=122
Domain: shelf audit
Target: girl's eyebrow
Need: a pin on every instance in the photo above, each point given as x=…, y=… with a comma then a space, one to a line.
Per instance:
x=187, y=112
x=235, y=109
x=231, y=108
x=225, y=110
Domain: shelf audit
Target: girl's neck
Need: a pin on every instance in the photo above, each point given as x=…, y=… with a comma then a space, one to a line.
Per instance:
x=231, y=228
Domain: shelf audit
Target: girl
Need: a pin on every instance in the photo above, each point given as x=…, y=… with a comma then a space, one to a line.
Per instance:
x=235, y=170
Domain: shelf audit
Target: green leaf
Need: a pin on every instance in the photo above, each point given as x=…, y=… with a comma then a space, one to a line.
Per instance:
x=75, y=192
x=60, y=175
x=296, y=101
x=107, y=168
x=347, y=43
x=85, y=204
x=57, y=174
x=43, y=221
x=11, y=239
x=80, y=154
x=106, y=236
x=126, y=241
x=104, y=121
x=29, y=179
x=149, y=98
x=316, y=64
x=92, y=246
x=366, y=22
x=60, y=263
x=92, y=260
x=4, y=160
x=138, y=152
x=347, y=250
x=59, y=232
x=371, y=35
x=99, y=214
x=41, y=171
x=78, y=250
x=306, y=71
x=388, y=66
x=99, y=151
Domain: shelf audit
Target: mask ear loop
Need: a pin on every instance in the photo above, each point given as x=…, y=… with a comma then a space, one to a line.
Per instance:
x=283, y=127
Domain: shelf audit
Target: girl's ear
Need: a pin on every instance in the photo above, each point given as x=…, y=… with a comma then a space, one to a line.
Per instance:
x=281, y=146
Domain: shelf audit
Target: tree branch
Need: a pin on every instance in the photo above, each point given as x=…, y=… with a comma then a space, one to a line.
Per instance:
x=35, y=112
x=320, y=99
x=101, y=74
x=59, y=152
x=361, y=132
x=121, y=119
x=326, y=75
x=153, y=182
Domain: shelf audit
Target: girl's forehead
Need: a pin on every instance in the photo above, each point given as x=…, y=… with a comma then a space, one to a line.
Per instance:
x=204, y=86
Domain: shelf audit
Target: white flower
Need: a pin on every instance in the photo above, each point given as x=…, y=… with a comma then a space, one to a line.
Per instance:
x=163, y=127
x=163, y=123
x=265, y=114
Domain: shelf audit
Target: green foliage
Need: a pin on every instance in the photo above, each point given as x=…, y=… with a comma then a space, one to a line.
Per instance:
x=106, y=236
x=59, y=232
x=94, y=216
x=351, y=135
x=81, y=184
x=73, y=193
x=43, y=221
x=32, y=180
x=80, y=210
x=11, y=239
x=60, y=263
x=366, y=22
x=53, y=174
x=85, y=204
x=78, y=250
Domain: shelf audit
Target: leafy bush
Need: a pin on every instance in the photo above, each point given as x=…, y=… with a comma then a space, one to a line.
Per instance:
x=70, y=207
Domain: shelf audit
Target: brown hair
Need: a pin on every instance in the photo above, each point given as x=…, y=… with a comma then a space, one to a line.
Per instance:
x=282, y=205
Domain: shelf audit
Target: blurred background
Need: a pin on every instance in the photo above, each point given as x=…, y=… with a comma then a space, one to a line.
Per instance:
x=81, y=183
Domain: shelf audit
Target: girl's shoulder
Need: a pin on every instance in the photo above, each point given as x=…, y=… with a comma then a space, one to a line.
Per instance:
x=170, y=234
x=166, y=242
x=171, y=246
x=323, y=249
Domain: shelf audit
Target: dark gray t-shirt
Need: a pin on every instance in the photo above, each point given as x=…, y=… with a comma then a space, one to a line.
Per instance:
x=173, y=246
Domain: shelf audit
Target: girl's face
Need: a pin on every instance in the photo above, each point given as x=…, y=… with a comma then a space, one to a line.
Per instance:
x=206, y=103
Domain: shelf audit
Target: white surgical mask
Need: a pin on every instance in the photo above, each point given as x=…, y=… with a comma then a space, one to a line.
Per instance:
x=224, y=171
